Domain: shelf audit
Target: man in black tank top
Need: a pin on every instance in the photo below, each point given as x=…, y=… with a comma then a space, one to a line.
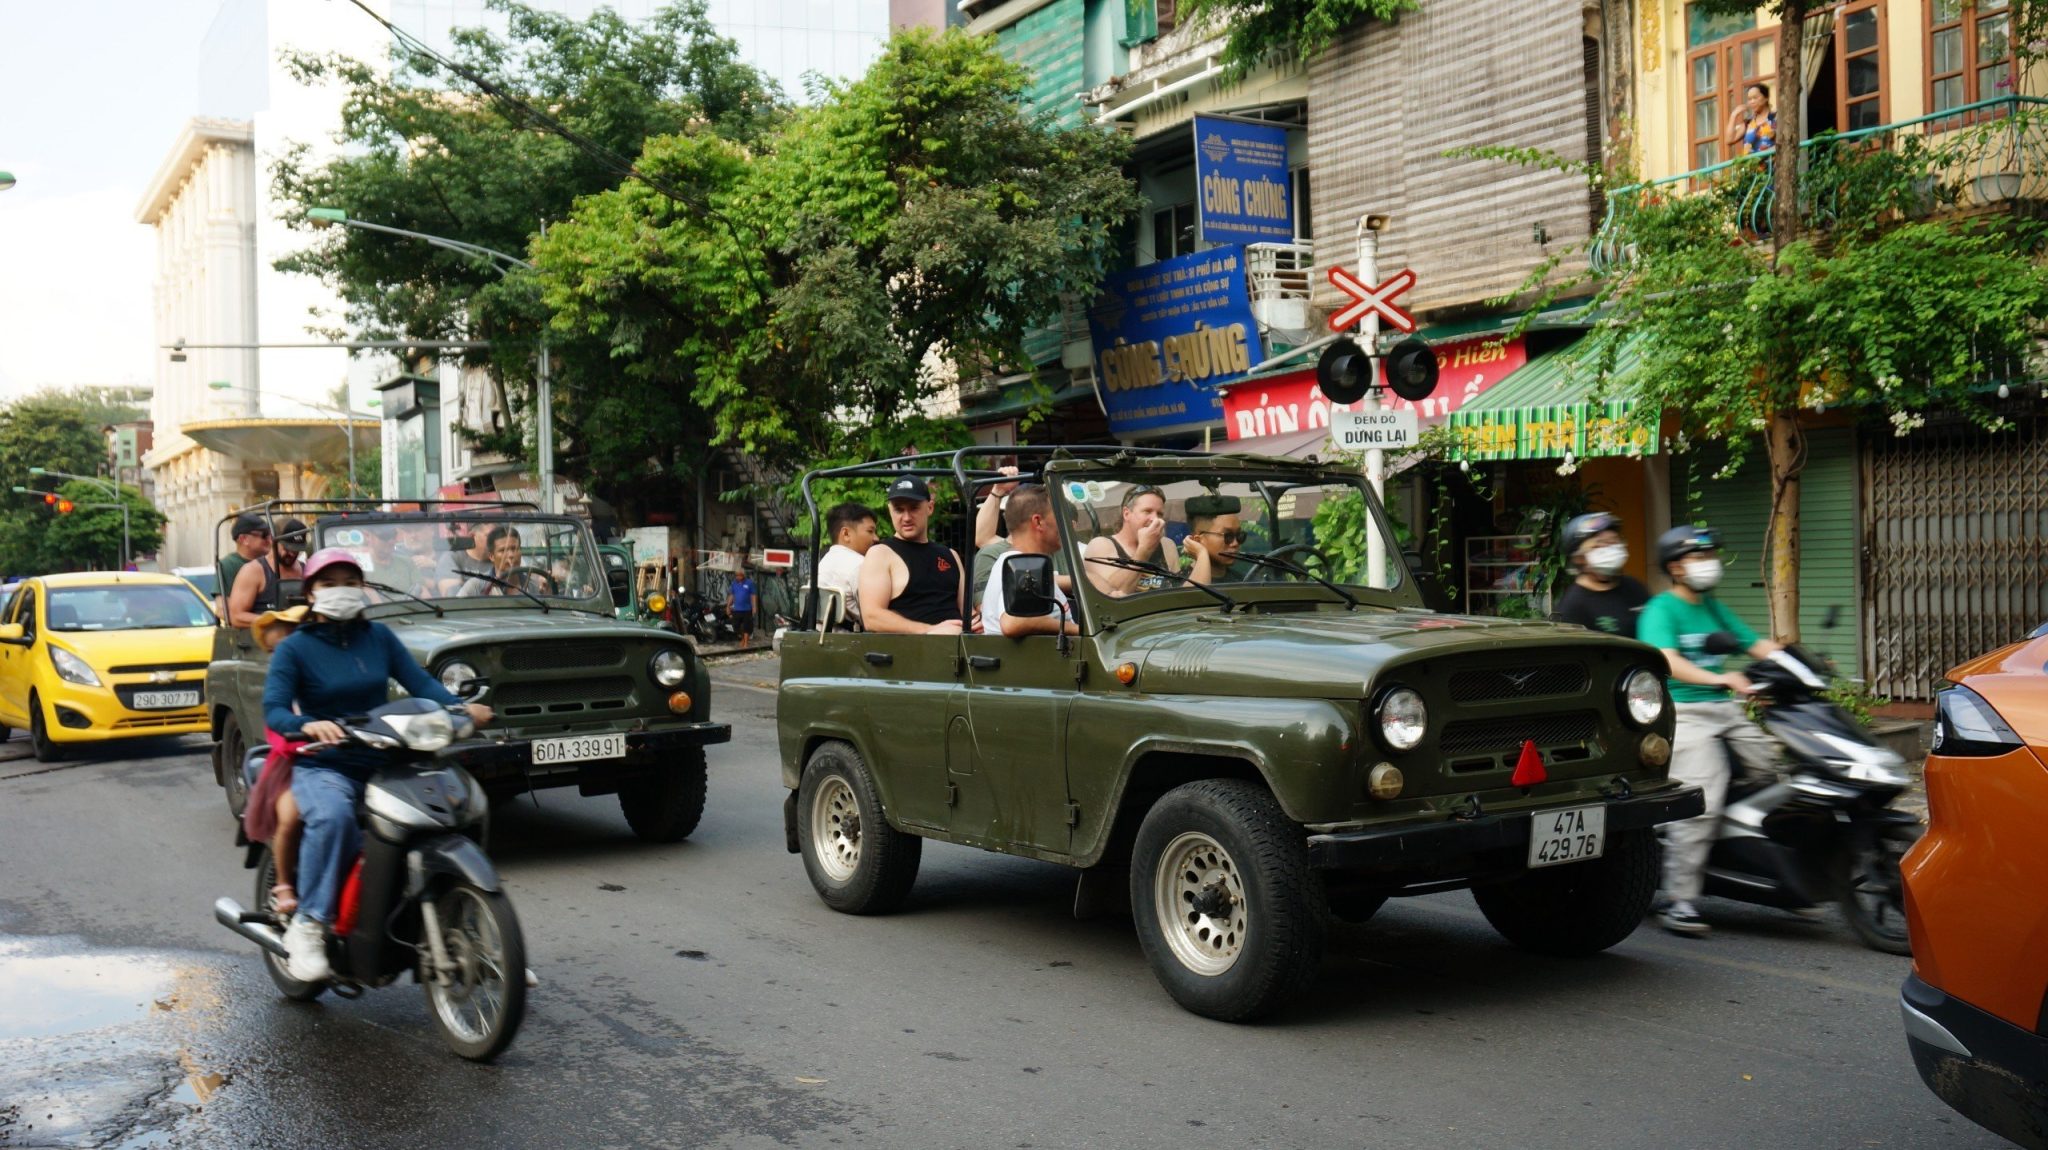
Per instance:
x=910, y=585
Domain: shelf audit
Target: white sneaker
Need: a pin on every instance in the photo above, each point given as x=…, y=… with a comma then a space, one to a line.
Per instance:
x=305, y=950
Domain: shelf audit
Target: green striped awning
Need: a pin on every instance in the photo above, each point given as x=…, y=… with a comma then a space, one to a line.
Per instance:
x=1547, y=409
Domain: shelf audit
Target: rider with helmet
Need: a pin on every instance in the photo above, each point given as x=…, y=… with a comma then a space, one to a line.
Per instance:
x=1601, y=598
x=336, y=664
x=1679, y=623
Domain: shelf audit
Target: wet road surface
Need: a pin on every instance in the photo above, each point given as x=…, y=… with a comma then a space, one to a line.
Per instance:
x=700, y=995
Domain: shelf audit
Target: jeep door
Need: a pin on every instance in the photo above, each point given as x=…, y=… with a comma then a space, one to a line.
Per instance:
x=1013, y=788
x=909, y=692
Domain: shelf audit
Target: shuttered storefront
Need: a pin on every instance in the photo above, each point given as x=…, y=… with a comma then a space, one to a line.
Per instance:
x=1738, y=507
x=1957, y=526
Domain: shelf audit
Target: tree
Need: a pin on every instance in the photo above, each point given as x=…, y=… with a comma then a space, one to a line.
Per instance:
x=426, y=152
x=1302, y=28
x=89, y=536
x=918, y=215
x=59, y=431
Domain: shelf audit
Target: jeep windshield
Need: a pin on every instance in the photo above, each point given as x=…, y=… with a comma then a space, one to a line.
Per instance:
x=1148, y=531
x=473, y=556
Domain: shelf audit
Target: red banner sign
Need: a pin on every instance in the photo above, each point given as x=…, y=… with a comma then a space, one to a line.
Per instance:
x=1293, y=403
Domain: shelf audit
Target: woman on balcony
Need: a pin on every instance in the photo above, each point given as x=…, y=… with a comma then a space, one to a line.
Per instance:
x=1753, y=127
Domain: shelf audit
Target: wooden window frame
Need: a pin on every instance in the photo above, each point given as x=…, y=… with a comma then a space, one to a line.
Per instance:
x=1966, y=20
x=1883, y=95
x=1729, y=85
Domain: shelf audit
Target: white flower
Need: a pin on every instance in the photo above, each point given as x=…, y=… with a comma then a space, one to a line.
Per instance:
x=1567, y=467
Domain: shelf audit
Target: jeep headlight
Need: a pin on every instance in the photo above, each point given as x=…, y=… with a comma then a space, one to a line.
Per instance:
x=1403, y=719
x=455, y=675
x=1642, y=697
x=73, y=669
x=669, y=667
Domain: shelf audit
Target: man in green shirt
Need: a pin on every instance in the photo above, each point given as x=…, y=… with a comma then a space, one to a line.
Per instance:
x=251, y=536
x=1709, y=715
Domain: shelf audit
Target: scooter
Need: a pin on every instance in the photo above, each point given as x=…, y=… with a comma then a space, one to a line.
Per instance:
x=422, y=897
x=1824, y=830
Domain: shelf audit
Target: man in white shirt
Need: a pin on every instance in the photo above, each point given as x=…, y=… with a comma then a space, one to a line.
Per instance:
x=1034, y=529
x=851, y=527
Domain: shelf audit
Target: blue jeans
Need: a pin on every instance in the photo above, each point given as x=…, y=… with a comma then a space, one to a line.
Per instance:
x=327, y=802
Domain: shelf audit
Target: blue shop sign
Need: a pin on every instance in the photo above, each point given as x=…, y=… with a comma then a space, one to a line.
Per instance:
x=1167, y=335
x=1241, y=170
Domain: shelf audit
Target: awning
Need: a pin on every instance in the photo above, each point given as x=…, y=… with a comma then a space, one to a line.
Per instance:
x=273, y=441
x=1547, y=409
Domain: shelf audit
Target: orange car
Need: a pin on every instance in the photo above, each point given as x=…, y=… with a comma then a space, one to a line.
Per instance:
x=1976, y=1004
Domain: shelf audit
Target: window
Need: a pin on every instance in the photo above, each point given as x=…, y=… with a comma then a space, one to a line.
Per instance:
x=1859, y=74
x=1304, y=218
x=25, y=615
x=1969, y=52
x=1717, y=75
x=1173, y=231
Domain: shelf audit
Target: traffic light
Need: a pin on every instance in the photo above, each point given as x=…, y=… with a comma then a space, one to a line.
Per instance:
x=49, y=500
x=64, y=506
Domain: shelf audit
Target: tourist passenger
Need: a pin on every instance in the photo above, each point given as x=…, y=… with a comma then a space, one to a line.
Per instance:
x=1034, y=529
x=1141, y=538
x=260, y=582
x=1215, y=536
x=851, y=527
x=910, y=585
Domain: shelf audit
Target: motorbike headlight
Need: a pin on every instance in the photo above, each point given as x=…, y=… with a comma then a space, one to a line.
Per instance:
x=1642, y=697
x=1403, y=719
x=456, y=675
x=426, y=731
x=1966, y=724
x=73, y=669
x=669, y=667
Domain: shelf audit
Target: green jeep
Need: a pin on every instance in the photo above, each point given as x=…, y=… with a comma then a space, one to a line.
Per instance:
x=1247, y=757
x=581, y=698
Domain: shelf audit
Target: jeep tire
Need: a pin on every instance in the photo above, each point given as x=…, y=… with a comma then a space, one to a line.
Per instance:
x=1230, y=915
x=664, y=807
x=1578, y=908
x=857, y=861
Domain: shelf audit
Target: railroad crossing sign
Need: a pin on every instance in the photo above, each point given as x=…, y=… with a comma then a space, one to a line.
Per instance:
x=1368, y=300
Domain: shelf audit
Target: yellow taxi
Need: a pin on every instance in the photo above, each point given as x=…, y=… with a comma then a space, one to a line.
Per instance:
x=93, y=656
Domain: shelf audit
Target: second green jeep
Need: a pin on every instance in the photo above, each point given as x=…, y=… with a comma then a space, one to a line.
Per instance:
x=1250, y=756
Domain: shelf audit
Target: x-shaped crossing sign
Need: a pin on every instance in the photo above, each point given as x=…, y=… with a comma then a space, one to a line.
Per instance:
x=1367, y=299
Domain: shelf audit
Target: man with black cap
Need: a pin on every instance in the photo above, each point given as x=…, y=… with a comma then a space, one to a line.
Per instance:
x=252, y=540
x=1215, y=536
x=259, y=581
x=910, y=585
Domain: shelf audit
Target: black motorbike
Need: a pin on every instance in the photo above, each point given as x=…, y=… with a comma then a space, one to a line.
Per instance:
x=707, y=619
x=422, y=898
x=1823, y=829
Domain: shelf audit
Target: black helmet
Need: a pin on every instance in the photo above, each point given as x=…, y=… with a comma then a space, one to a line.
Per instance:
x=1583, y=527
x=1680, y=542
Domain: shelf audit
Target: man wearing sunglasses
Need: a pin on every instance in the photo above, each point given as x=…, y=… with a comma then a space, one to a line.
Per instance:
x=1216, y=537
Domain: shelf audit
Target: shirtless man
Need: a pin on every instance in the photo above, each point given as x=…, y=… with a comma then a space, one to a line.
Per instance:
x=910, y=585
x=256, y=588
x=1141, y=538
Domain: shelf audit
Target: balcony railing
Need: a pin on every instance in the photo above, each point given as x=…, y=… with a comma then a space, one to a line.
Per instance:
x=1279, y=277
x=1973, y=157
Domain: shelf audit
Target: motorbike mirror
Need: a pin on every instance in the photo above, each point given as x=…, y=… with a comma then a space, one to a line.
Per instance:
x=1723, y=643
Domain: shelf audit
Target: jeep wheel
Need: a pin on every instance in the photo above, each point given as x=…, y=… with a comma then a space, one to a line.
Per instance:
x=231, y=751
x=1578, y=908
x=1229, y=913
x=857, y=861
x=665, y=806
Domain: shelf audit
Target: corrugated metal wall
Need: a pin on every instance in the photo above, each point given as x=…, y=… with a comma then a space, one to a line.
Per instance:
x=1387, y=100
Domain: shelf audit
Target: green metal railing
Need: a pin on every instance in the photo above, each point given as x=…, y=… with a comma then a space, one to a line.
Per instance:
x=1975, y=156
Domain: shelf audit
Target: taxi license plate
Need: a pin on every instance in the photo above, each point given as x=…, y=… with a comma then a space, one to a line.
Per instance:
x=165, y=700
x=578, y=749
x=1567, y=836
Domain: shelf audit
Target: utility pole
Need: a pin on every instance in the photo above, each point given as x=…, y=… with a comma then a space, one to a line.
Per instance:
x=1369, y=227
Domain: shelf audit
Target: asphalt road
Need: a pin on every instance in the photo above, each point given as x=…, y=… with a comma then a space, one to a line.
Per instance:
x=700, y=995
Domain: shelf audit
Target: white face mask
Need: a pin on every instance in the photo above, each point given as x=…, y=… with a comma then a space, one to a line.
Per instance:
x=1703, y=574
x=341, y=602
x=1606, y=561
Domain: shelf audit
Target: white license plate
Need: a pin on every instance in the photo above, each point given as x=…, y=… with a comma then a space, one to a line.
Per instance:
x=578, y=749
x=165, y=700
x=1567, y=836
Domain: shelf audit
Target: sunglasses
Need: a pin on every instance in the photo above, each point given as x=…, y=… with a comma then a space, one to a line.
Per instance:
x=1227, y=536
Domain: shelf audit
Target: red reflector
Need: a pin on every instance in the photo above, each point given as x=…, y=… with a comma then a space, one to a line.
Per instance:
x=351, y=901
x=1529, y=768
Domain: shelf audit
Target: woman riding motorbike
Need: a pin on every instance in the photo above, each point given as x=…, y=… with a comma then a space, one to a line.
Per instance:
x=336, y=664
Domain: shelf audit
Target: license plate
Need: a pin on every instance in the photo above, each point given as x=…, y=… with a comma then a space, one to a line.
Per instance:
x=1567, y=836
x=165, y=700
x=578, y=749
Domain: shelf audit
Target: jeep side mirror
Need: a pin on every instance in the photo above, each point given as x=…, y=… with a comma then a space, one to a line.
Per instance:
x=1028, y=586
x=1724, y=643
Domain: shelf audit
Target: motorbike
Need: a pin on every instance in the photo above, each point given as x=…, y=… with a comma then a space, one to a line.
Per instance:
x=708, y=619
x=422, y=898
x=1824, y=829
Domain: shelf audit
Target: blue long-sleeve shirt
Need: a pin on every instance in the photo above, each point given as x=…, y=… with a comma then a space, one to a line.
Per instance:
x=335, y=669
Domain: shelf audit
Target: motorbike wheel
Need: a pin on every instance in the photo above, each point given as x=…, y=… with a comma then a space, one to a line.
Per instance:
x=1872, y=892
x=482, y=1000
x=292, y=988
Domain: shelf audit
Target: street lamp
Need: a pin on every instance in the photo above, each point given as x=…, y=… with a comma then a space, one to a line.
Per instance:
x=347, y=424
x=113, y=490
x=504, y=265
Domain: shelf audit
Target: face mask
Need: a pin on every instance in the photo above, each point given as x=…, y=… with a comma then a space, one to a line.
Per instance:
x=1703, y=574
x=1606, y=560
x=340, y=602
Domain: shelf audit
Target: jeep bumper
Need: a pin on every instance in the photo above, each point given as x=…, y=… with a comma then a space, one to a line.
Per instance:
x=510, y=761
x=1413, y=845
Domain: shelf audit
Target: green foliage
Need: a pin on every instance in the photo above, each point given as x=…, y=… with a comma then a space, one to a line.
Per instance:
x=90, y=536
x=1302, y=28
x=1542, y=520
x=60, y=431
x=1341, y=528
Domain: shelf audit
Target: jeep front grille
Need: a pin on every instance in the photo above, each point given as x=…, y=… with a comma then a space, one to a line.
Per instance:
x=1464, y=737
x=1500, y=684
x=562, y=657
x=562, y=696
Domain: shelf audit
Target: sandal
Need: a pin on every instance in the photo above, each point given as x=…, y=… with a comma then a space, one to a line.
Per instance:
x=283, y=899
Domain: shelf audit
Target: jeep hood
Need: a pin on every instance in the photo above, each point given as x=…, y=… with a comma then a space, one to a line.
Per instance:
x=425, y=635
x=1329, y=654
